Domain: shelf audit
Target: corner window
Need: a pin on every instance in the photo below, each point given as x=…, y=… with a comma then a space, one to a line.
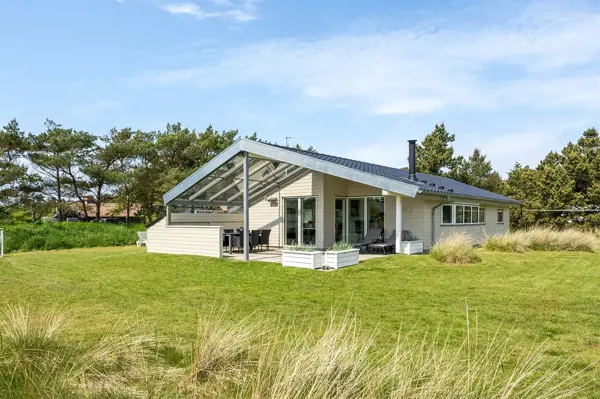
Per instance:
x=500, y=215
x=462, y=214
x=447, y=211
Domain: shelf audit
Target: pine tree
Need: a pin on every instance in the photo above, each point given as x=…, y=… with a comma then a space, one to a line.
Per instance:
x=435, y=155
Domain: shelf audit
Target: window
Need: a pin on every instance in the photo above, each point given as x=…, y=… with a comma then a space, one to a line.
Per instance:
x=462, y=214
x=468, y=215
x=447, y=213
x=500, y=215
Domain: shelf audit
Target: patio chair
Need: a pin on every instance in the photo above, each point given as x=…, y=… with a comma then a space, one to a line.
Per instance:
x=373, y=236
x=237, y=241
x=264, y=238
x=226, y=237
x=389, y=243
x=254, y=239
x=142, y=238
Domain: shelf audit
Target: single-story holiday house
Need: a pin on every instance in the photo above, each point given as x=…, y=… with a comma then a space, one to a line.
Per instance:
x=305, y=197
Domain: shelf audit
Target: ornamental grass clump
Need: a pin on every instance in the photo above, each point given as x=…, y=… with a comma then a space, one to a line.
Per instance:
x=455, y=249
x=259, y=358
x=543, y=239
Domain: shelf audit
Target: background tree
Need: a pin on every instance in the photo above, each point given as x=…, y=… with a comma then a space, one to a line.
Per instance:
x=477, y=171
x=13, y=173
x=435, y=155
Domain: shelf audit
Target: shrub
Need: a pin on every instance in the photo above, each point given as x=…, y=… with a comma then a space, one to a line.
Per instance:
x=456, y=248
x=543, y=239
x=48, y=236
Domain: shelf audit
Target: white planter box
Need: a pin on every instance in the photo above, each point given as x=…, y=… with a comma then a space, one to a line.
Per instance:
x=337, y=259
x=306, y=260
x=411, y=247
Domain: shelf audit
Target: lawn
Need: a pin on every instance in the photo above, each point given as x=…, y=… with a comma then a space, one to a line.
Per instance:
x=538, y=296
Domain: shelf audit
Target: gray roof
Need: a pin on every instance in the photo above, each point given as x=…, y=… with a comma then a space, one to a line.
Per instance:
x=426, y=183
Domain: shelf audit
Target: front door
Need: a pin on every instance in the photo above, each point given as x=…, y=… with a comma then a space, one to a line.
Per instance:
x=300, y=221
x=340, y=219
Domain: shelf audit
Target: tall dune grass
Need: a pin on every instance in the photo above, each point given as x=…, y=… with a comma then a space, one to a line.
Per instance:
x=48, y=236
x=252, y=359
x=455, y=249
x=543, y=239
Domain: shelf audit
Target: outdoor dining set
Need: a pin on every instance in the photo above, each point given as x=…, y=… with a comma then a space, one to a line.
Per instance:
x=234, y=238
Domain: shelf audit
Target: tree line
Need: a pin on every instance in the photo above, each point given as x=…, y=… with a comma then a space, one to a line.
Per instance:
x=51, y=170
x=563, y=189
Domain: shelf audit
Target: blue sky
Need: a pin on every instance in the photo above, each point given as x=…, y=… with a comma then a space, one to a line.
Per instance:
x=352, y=78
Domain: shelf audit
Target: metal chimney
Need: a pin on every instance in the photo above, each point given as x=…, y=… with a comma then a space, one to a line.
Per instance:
x=412, y=160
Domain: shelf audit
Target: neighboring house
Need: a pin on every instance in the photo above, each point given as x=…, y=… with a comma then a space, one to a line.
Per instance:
x=108, y=210
x=311, y=198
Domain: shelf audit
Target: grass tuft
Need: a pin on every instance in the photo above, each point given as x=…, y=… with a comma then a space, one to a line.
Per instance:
x=455, y=249
x=543, y=239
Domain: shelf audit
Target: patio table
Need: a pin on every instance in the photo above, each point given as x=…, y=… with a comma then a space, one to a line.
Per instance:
x=230, y=235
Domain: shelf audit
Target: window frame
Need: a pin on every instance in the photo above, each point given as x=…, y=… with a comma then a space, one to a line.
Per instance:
x=475, y=211
x=452, y=214
x=500, y=216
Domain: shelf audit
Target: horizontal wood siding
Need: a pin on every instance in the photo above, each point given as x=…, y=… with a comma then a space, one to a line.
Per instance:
x=185, y=240
x=478, y=232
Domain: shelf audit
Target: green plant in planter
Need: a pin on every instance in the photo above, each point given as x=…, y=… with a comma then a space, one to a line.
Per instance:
x=412, y=238
x=300, y=248
x=340, y=246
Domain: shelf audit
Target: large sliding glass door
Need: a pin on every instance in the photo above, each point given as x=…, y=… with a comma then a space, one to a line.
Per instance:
x=300, y=220
x=291, y=220
x=363, y=214
x=340, y=219
x=309, y=221
x=376, y=210
x=356, y=219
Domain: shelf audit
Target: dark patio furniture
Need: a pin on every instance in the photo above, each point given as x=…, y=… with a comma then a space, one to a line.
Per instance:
x=264, y=238
x=373, y=235
x=388, y=244
x=254, y=239
x=226, y=236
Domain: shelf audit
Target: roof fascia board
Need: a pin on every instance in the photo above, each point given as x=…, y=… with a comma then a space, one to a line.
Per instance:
x=329, y=168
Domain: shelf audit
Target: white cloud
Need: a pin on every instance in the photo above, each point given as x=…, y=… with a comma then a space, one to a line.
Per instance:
x=531, y=60
x=246, y=11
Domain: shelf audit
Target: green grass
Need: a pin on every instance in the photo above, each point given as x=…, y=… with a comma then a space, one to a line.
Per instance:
x=49, y=236
x=540, y=296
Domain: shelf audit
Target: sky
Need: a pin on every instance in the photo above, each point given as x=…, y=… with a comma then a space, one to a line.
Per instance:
x=351, y=78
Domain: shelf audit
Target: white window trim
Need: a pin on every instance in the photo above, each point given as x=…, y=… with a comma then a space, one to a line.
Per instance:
x=497, y=213
x=454, y=223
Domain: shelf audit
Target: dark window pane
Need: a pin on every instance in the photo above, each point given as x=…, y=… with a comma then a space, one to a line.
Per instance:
x=481, y=215
x=500, y=215
x=447, y=214
x=467, y=214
